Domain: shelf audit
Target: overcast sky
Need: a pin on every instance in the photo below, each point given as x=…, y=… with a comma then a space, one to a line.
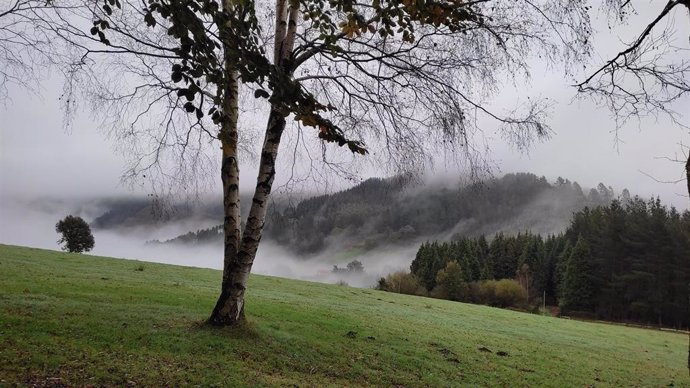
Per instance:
x=38, y=158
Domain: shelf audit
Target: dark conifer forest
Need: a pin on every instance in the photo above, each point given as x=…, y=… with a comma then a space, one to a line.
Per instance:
x=626, y=261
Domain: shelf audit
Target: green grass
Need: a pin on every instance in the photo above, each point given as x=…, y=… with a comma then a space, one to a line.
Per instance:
x=78, y=320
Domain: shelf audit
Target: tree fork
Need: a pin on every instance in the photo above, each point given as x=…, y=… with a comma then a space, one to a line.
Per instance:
x=229, y=309
x=240, y=249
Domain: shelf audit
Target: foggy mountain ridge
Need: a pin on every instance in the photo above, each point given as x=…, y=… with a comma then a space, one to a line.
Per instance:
x=142, y=211
x=127, y=212
x=390, y=212
x=381, y=212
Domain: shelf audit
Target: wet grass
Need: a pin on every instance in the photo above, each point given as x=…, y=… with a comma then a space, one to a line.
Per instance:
x=77, y=320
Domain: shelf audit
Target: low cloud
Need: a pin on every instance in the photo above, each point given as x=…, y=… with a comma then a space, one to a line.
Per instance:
x=32, y=223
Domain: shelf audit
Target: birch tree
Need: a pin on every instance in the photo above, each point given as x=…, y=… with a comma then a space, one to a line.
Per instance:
x=387, y=79
x=24, y=52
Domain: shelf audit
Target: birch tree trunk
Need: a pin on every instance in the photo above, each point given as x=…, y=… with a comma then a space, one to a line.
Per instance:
x=240, y=248
x=224, y=313
x=687, y=180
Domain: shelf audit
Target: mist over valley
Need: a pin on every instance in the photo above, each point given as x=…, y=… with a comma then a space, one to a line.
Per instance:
x=379, y=222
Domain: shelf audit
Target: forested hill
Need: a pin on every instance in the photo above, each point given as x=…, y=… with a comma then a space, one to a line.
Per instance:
x=390, y=211
x=382, y=211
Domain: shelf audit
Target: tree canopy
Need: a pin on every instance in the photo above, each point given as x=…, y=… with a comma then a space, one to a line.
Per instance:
x=76, y=234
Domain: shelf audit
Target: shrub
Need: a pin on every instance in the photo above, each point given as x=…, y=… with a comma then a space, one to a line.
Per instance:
x=483, y=292
x=497, y=293
x=381, y=284
x=509, y=293
x=403, y=283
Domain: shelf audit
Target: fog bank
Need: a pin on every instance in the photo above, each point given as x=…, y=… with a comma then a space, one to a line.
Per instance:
x=32, y=223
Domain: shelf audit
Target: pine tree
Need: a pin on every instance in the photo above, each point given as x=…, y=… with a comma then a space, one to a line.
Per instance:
x=578, y=288
x=486, y=261
x=450, y=282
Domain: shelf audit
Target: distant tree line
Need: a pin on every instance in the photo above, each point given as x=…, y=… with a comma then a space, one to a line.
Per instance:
x=627, y=261
x=353, y=267
x=213, y=234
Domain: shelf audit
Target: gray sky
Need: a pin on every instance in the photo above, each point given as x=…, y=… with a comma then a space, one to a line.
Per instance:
x=38, y=158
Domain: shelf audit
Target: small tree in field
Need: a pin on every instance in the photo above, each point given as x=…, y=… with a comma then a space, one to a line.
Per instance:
x=76, y=234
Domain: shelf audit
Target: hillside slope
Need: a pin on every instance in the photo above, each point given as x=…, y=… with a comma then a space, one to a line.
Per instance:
x=393, y=211
x=75, y=320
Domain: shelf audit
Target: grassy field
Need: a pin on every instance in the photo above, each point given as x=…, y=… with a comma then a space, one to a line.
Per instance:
x=78, y=320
